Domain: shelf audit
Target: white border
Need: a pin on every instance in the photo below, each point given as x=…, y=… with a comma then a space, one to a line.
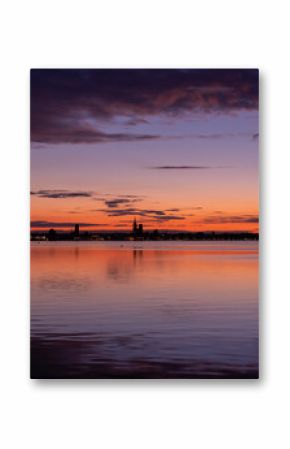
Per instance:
x=161, y=414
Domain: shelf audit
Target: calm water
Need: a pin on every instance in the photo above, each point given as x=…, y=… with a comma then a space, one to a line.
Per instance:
x=144, y=309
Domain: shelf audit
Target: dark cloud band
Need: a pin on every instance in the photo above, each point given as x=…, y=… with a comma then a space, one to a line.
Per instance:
x=60, y=194
x=180, y=167
x=55, y=224
x=232, y=219
x=62, y=100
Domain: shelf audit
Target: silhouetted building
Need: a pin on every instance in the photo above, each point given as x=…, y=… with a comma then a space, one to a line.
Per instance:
x=51, y=234
x=134, y=230
x=77, y=230
x=137, y=230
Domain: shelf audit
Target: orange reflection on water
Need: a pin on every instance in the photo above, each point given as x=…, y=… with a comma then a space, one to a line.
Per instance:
x=159, y=305
x=230, y=268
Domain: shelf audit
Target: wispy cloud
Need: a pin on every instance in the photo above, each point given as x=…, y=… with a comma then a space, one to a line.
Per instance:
x=114, y=203
x=154, y=214
x=188, y=167
x=62, y=224
x=233, y=219
x=180, y=167
x=169, y=217
x=75, y=133
x=60, y=194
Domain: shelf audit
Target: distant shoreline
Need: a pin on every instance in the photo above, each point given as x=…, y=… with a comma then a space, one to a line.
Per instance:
x=169, y=239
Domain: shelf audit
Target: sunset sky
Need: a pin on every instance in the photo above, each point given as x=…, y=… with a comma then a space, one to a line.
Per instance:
x=177, y=149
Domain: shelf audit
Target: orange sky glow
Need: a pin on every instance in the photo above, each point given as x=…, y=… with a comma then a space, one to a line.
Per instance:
x=177, y=149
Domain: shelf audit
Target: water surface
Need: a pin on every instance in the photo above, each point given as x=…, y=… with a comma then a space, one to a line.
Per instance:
x=144, y=310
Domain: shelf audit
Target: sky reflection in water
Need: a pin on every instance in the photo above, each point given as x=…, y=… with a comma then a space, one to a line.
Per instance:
x=144, y=309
